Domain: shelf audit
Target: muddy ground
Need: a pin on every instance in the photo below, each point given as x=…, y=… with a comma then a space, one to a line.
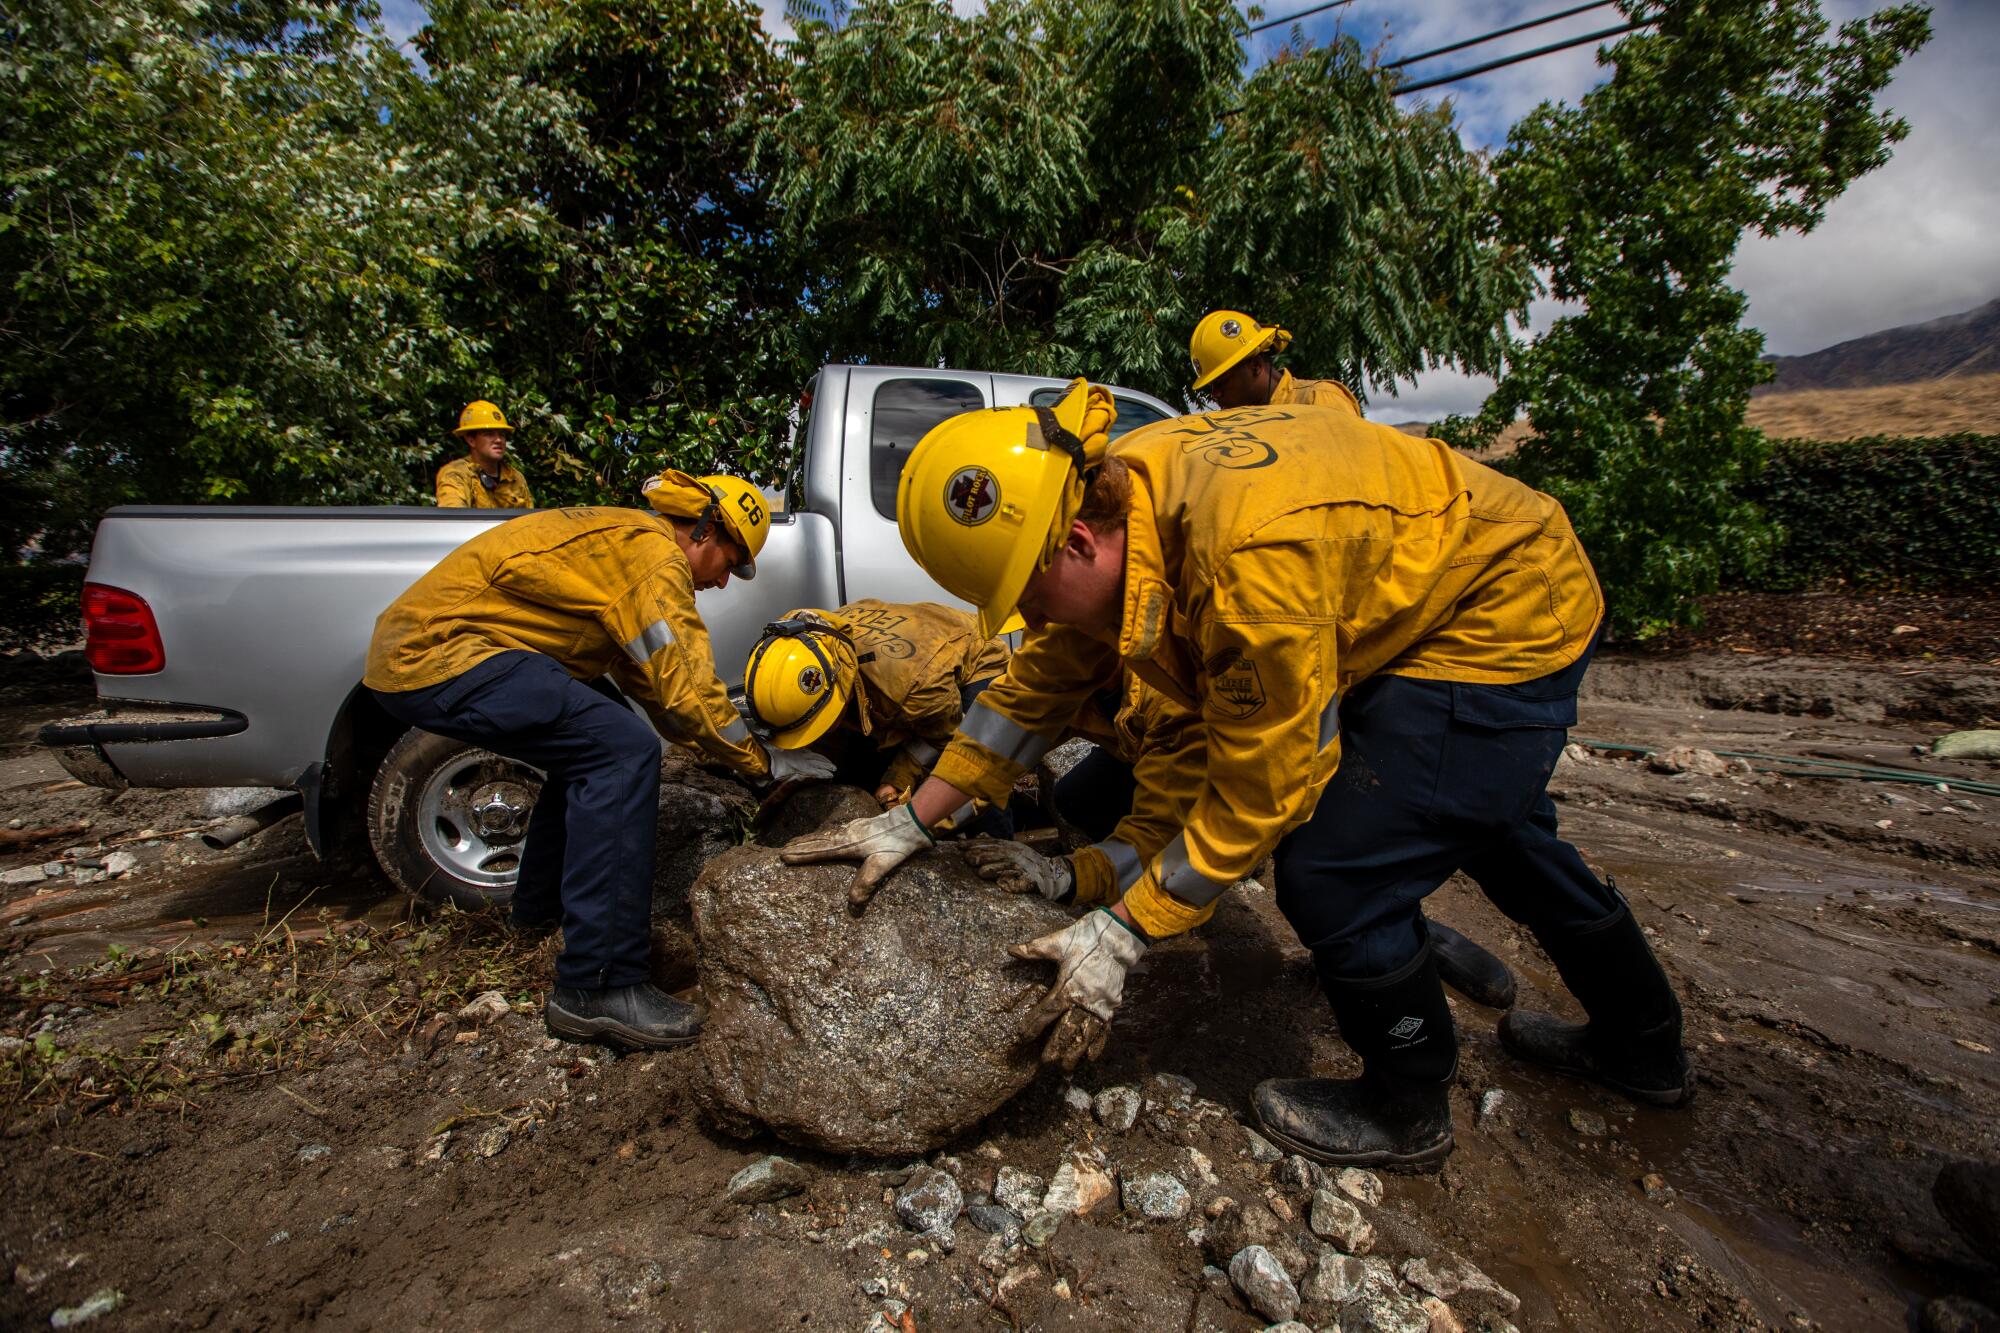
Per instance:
x=235, y=1090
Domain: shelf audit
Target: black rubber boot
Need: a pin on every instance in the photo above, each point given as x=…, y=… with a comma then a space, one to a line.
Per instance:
x=1397, y=1114
x=1632, y=1043
x=1471, y=970
x=640, y=1017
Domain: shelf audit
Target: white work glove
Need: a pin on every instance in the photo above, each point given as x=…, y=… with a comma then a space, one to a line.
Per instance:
x=802, y=765
x=881, y=843
x=1091, y=955
x=1019, y=868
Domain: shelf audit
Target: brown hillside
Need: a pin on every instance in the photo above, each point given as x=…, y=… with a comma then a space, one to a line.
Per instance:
x=1963, y=344
x=1934, y=407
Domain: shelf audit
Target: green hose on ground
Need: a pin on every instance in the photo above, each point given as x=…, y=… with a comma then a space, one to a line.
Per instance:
x=1791, y=766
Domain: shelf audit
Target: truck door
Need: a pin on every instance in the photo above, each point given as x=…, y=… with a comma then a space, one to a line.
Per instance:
x=888, y=411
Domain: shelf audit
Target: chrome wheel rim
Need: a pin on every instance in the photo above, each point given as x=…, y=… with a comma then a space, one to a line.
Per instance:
x=472, y=816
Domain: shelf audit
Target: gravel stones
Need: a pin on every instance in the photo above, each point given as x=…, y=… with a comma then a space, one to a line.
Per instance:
x=767, y=1180
x=1019, y=1191
x=1079, y=1186
x=930, y=1203
x=885, y=1034
x=1259, y=1148
x=995, y=1221
x=1587, y=1123
x=1154, y=1195
x=1295, y=1172
x=1117, y=1108
x=1239, y=1226
x=1384, y=1310
x=1449, y=1277
x=1358, y=1185
x=1335, y=1219
x=1264, y=1283
x=485, y=1007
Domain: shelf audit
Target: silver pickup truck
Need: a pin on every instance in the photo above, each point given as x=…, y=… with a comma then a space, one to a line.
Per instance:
x=228, y=642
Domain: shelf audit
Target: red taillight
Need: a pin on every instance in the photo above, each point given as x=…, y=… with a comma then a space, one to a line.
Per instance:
x=120, y=636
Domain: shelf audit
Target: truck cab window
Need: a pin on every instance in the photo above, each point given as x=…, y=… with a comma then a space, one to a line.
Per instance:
x=905, y=411
x=1132, y=413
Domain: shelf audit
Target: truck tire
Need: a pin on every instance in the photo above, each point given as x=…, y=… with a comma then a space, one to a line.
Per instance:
x=447, y=820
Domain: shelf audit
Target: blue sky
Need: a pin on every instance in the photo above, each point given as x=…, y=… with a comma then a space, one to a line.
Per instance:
x=1913, y=241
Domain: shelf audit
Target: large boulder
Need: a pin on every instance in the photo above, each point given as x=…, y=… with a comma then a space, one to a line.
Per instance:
x=887, y=1033
x=700, y=815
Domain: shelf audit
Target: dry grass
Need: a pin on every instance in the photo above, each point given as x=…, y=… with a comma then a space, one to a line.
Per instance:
x=1931, y=407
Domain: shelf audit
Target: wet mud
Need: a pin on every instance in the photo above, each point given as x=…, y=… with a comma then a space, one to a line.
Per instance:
x=1838, y=954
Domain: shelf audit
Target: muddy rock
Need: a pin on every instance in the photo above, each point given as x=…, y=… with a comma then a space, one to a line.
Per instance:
x=1449, y=1277
x=1117, y=1108
x=1239, y=1227
x=1336, y=1279
x=1587, y=1123
x=1337, y=1220
x=995, y=1221
x=767, y=1180
x=1154, y=1195
x=1258, y=1148
x=1688, y=759
x=1358, y=1185
x=888, y=1033
x=1382, y=1310
x=1443, y=1318
x=1295, y=1173
x=699, y=815
x=930, y=1203
x=1019, y=1191
x=1079, y=1186
x=814, y=807
x=1957, y=1314
x=1264, y=1283
x=103, y=1301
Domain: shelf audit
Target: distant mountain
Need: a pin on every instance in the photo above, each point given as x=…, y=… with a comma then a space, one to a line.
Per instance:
x=1965, y=344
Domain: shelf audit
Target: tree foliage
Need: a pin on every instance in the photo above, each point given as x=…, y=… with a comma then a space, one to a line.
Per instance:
x=1731, y=115
x=1065, y=186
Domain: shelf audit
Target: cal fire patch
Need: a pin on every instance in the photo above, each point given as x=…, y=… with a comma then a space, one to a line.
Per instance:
x=1237, y=690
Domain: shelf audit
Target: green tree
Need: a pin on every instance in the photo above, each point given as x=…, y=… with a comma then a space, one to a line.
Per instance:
x=1731, y=115
x=1064, y=186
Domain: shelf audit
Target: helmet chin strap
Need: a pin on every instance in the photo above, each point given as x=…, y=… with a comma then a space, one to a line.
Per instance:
x=1056, y=434
x=807, y=632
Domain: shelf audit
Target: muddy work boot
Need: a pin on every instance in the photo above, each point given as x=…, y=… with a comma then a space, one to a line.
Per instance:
x=640, y=1017
x=1397, y=1114
x=1469, y=969
x=1632, y=1043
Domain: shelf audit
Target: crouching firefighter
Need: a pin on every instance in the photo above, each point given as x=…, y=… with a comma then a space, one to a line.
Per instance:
x=1383, y=642
x=503, y=644
x=1235, y=365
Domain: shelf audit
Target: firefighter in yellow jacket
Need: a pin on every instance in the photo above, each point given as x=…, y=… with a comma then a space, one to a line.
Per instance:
x=1383, y=642
x=1233, y=363
x=483, y=479
x=499, y=646
x=897, y=676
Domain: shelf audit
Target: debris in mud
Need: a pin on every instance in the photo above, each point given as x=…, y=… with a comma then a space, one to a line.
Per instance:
x=1335, y=1219
x=886, y=1033
x=1587, y=1123
x=1688, y=759
x=103, y=1301
x=767, y=1180
x=1967, y=745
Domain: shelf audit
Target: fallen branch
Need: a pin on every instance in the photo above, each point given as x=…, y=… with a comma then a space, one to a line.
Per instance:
x=28, y=837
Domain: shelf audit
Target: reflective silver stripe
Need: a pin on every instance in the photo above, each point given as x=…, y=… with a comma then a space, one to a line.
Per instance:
x=960, y=817
x=1329, y=722
x=1183, y=881
x=922, y=751
x=651, y=639
x=737, y=732
x=1009, y=740
x=1125, y=862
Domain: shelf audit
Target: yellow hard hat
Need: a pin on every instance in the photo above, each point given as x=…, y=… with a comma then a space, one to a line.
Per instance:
x=481, y=415
x=1225, y=337
x=987, y=497
x=739, y=505
x=800, y=676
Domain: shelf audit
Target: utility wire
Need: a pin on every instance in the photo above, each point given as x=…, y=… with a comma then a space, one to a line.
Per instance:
x=1539, y=51
x=1498, y=32
x=1303, y=13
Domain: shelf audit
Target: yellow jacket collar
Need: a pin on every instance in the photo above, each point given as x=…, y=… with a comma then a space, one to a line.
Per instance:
x=1149, y=598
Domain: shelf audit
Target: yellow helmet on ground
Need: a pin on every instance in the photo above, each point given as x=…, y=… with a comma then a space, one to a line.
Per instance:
x=800, y=676
x=987, y=497
x=1225, y=337
x=739, y=505
x=481, y=415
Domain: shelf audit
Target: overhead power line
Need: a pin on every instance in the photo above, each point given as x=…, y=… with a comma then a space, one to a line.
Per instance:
x=1497, y=32
x=1538, y=52
x=1303, y=13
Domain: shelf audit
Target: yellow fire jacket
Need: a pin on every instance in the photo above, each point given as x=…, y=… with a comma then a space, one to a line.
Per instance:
x=1163, y=743
x=1317, y=393
x=1275, y=557
x=923, y=657
x=459, y=487
x=602, y=591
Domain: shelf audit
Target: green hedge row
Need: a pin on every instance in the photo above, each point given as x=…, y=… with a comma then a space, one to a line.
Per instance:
x=1921, y=514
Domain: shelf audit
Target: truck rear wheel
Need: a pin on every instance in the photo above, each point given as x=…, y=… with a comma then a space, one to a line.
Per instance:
x=448, y=820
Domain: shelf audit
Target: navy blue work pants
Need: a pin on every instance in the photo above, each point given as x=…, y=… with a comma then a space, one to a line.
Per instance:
x=1096, y=793
x=1436, y=777
x=592, y=834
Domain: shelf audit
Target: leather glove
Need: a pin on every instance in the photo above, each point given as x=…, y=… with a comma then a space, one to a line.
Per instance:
x=881, y=843
x=802, y=765
x=1019, y=868
x=1091, y=955
x=902, y=775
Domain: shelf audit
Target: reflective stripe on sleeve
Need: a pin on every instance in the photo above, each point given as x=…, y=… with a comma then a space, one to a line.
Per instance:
x=923, y=752
x=1329, y=721
x=651, y=639
x=1008, y=739
x=1183, y=881
x=737, y=732
x=1124, y=859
